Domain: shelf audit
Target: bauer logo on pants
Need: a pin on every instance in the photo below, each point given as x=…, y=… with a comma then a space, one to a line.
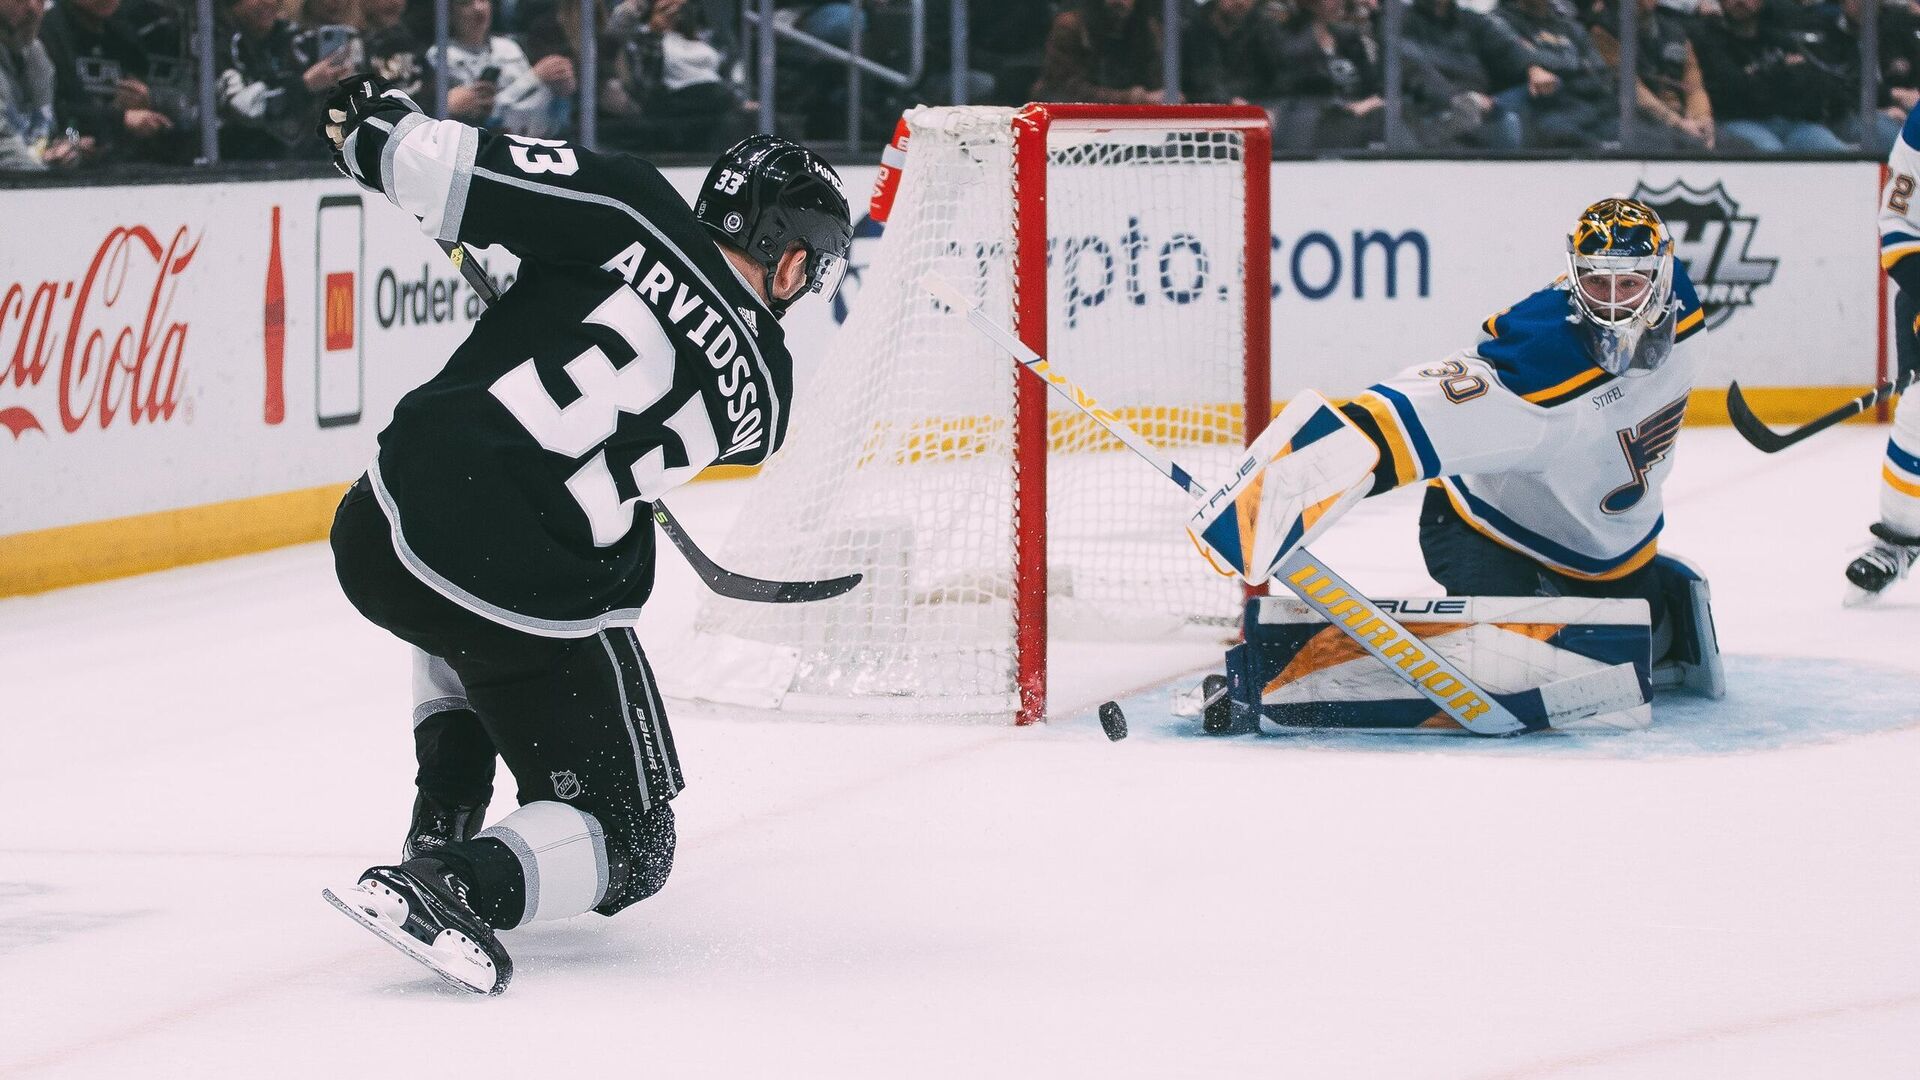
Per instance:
x=1715, y=241
x=565, y=784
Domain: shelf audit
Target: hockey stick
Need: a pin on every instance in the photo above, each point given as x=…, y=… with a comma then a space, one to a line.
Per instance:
x=1321, y=589
x=1769, y=441
x=722, y=581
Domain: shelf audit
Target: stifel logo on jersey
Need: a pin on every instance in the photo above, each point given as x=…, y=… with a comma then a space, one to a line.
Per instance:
x=119, y=350
x=1712, y=237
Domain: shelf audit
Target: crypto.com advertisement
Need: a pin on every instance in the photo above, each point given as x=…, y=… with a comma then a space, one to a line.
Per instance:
x=172, y=346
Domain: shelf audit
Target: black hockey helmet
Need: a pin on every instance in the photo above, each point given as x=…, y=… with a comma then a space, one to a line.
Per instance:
x=766, y=194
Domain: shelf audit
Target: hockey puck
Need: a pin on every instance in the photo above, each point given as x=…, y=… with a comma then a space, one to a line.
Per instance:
x=1113, y=721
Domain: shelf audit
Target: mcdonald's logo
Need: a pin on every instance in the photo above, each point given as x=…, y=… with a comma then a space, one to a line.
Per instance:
x=339, y=308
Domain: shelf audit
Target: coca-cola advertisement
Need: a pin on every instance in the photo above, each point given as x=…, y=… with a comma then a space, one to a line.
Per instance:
x=172, y=347
x=105, y=346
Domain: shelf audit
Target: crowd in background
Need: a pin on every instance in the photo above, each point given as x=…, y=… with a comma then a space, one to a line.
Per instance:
x=97, y=82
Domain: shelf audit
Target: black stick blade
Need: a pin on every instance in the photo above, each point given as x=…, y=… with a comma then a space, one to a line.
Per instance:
x=741, y=587
x=1769, y=441
x=1750, y=427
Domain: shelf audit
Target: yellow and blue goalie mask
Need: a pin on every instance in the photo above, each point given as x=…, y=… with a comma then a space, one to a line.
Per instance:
x=1620, y=278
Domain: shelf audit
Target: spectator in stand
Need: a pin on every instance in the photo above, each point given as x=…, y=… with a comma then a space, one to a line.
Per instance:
x=1330, y=80
x=1230, y=52
x=26, y=95
x=1475, y=54
x=173, y=78
x=331, y=29
x=267, y=88
x=1567, y=100
x=1007, y=39
x=1899, y=60
x=1674, y=112
x=1769, y=94
x=490, y=82
x=393, y=50
x=100, y=88
x=670, y=93
x=1831, y=35
x=1103, y=50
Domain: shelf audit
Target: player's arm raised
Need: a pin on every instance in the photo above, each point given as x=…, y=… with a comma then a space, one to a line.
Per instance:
x=539, y=198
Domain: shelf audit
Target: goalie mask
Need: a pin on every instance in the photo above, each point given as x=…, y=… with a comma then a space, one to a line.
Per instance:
x=1620, y=277
x=766, y=195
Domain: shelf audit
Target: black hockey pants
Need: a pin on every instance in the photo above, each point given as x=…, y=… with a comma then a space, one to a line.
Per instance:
x=1466, y=563
x=576, y=719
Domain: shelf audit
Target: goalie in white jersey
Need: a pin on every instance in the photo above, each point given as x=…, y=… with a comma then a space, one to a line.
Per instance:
x=1896, y=536
x=1544, y=445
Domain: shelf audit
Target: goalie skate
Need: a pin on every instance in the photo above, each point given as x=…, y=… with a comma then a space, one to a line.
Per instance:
x=422, y=911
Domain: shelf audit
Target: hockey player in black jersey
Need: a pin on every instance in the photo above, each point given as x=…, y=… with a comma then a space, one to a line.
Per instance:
x=503, y=531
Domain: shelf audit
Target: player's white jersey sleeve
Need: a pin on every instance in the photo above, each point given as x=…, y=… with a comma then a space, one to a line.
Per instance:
x=1900, y=209
x=1455, y=417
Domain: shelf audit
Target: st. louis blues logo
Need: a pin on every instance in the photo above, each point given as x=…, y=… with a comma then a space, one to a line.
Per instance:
x=1715, y=241
x=1645, y=446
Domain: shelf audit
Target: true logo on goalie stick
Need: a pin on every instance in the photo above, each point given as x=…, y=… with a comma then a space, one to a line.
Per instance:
x=565, y=785
x=1422, y=607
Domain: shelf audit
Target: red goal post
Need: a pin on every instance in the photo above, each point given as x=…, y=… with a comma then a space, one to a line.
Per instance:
x=1032, y=127
x=1131, y=246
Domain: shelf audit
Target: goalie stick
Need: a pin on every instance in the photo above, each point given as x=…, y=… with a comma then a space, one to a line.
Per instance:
x=1769, y=441
x=1320, y=588
x=722, y=581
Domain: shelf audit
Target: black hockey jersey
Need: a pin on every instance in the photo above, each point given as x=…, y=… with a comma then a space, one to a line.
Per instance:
x=627, y=356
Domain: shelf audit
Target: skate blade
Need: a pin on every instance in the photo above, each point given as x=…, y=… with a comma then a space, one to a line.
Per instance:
x=1858, y=597
x=449, y=962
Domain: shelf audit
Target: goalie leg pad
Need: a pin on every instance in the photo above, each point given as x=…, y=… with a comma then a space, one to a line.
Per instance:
x=1297, y=478
x=1692, y=659
x=1583, y=661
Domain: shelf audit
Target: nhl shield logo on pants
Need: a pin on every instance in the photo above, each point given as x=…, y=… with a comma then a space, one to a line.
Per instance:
x=565, y=784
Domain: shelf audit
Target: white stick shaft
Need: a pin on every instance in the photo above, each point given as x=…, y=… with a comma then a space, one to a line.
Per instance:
x=1083, y=400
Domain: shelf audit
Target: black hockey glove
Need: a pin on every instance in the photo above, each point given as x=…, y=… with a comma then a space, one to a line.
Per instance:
x=351, y=102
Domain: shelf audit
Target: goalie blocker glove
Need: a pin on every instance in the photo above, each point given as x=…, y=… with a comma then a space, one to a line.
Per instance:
x=1298, y=477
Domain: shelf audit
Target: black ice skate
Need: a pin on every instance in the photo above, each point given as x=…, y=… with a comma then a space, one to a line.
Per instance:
x=421, y=909
x=1887, y=561
x=436, y=824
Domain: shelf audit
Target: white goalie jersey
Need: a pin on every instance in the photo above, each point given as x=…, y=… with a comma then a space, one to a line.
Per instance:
x=1538, y=448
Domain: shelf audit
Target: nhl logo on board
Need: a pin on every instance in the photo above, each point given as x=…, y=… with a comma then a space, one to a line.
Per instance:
x=1714, y=239
x=565, y=784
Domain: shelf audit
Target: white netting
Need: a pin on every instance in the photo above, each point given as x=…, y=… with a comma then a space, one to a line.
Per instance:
x=900, y=462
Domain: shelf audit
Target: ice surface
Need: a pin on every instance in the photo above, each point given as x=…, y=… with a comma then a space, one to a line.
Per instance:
x=190, y=756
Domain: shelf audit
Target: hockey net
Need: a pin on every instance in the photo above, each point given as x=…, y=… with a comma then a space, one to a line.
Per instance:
x=985, y=516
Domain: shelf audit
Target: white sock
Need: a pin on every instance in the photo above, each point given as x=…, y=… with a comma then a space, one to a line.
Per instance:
x=563, y=855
